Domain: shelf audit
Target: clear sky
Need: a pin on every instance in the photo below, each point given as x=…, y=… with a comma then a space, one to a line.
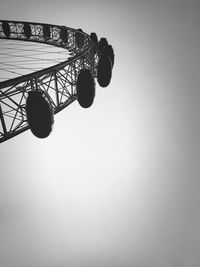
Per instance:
x=116, y=185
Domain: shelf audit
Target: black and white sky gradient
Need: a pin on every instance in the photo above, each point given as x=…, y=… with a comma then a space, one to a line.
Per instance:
x=116, y=185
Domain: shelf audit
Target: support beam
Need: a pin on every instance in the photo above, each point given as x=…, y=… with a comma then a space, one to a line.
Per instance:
x=3, y=121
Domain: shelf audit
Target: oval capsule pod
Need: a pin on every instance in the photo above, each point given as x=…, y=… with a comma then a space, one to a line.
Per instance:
x=108, y=51
x=39, y=113
x=46, y=32
x=85, y=88
x=64, y=35
x=79, y=38
x=27, y=30
x=104, y=71
x=94, y=38
x=102, y=44
x=6, y=29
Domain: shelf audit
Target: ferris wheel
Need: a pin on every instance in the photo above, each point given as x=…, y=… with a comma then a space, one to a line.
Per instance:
x=43, y=69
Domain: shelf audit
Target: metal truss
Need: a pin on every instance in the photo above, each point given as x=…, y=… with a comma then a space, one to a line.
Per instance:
x=58, y=81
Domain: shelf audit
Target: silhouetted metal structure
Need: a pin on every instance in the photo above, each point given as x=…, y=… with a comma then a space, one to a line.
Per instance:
x=58, y=83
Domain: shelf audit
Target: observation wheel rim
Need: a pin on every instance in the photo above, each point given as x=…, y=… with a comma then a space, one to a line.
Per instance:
x=58, y=81
x=56, y=67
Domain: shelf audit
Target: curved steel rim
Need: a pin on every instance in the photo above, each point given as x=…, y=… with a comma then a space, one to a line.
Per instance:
x=58, y=81
x=55, y=67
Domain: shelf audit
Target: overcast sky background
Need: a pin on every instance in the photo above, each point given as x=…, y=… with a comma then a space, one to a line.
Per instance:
x=116, y=185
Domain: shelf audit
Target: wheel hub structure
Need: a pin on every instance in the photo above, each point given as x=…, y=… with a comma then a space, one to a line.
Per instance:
x=43, y=57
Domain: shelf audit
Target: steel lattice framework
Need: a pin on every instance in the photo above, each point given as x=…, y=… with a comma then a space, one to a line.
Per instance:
x=58, y=81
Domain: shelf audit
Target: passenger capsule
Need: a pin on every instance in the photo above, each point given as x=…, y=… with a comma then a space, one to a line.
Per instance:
x=102, y=44
x=85, y=88
x=108, y=51
x=104, y=71
x=46, y=32
x=94, y=38
x=39, y=114
x=27, y=30
x=6, y=29
x=64, y=35
x=79, y=38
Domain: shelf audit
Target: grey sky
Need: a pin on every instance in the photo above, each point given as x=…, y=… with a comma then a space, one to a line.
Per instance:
x=132, y=199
